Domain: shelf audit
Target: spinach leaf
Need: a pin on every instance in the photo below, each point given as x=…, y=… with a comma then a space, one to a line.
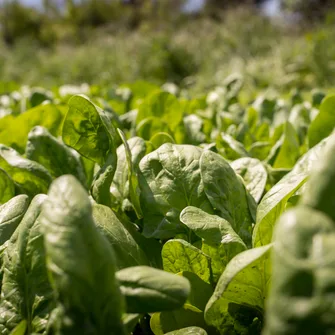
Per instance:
x=237, y=304
x=179, y=255
x=219, y=240
x=226, y=193
x=254, y=175
x=45, y=149
x=30, y=177
x=127, y=251
x=26, y=292
x=148, y=290
x=302, y=290
x=170, y=180
x=11, y=214
x=7, y=187
x=80, y=261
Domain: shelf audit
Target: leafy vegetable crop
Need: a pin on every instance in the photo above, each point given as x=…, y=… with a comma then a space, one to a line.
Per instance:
x=137, y=211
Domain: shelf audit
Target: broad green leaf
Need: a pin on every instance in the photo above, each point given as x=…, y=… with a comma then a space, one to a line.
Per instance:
x=46, y=115
x=324, y=123
x=7, y=187
x=179, y=256
x=20, y=329
x=26, y=292
x=219, y=240
x=170, y=180
x=319, y=193
x=188, y=316
x=289, y=150
x=226, y=193
x=260, y=150
x=302, y=290
x=127, y=251
x=148, y=290
x=162, y=105
x=88, y=129
x=274, y=202
x=80, y=261
x=30, y=177
x=237, y=304
x=254, y=175
x=11, y=214
x=188, y=331
x=56, y=157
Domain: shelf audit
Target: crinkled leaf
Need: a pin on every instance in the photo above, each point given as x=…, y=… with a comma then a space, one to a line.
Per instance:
x=219, y=240
x=254, y=175
x=226, y=193
x=170, y=180
x=301, y=298
x=26, y=292
x=179, y=256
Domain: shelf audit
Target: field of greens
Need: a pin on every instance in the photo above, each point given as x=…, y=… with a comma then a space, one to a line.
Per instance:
x=143, y=210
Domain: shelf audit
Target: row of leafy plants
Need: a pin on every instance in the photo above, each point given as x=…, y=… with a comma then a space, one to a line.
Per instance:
x=138, y=210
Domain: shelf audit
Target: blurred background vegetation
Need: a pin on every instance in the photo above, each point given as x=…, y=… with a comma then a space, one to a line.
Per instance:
x=287, y=44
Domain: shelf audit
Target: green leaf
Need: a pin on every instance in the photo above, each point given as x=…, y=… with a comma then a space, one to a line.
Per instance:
x=45, y=149
x=162, y=105
x=26, y=292
x=148, y=290
x=11, y=214
x=127, y=251
x=188, y=331
x=30, y=177
x=120, y=185
x=302, y=290
x=80, y=261
x=46, y=115
x=219, y=240
x=88, y=129
x=324, y=123
x=134, y=191
x=193, y=126
x=200, y=290
x=170, y=180
x=7, y=187
x=254, y=175
x=188, y=316
x=226, y=193
x=237, y=304
x=151, y=126
x=179, y=256
x=20, y=329
x=319, y=193
x=274, y=202
x=230, y=148
x=289, y=150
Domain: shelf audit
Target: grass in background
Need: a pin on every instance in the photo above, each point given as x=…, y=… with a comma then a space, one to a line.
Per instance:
x=198, y=55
